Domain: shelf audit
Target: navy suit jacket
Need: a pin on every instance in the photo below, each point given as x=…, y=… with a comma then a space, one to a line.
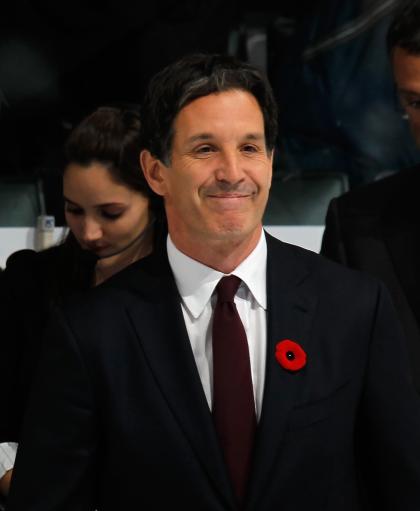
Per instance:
x=376, y=228
x=118, y=418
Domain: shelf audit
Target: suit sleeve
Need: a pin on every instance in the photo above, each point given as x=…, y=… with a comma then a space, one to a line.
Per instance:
x=13, y=290
x=390, y=418
x=332, y=245
x=54, y=463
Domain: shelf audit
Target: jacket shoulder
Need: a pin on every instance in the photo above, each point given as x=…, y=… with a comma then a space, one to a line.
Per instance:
x=325, y=273
x=36, y=264
x=28, y=256
x=374, y=199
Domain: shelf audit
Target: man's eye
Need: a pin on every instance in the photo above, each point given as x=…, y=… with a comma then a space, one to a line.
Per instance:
x=203, y=152
x=415, y=103
x=410, y=101
x=250, y=148
x=204, y=149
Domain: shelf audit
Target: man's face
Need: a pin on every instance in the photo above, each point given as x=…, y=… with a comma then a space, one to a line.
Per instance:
x=407, y=77
x=217, y=184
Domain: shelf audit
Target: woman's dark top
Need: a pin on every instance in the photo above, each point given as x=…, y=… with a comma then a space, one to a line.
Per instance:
x=31, y=286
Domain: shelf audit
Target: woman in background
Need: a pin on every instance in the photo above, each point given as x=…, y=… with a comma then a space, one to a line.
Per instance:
x=114, y=219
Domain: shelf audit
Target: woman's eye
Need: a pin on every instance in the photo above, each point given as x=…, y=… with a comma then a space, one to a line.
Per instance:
x=74, y=211
x=111, y=215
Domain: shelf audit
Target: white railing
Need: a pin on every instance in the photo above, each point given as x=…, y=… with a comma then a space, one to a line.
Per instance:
x=17, y=238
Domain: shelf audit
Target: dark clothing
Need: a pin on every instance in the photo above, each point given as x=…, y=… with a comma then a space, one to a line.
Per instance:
x=119, y=420
x=376, y=228
x=30, y=286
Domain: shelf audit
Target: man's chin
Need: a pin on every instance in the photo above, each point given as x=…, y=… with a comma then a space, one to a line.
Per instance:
x=234, y=231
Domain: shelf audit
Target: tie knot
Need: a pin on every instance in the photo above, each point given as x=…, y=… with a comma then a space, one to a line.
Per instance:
x=227, y=287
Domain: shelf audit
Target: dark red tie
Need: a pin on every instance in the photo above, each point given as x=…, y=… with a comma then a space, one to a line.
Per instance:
x=233, y=396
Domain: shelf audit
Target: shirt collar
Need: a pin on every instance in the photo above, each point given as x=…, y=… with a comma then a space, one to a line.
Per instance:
x=196, y=282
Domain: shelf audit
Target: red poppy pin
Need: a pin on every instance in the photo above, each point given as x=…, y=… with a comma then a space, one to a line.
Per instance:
x=290, y=355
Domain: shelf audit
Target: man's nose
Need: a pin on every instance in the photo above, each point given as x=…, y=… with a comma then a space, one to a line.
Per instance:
x=230, y=168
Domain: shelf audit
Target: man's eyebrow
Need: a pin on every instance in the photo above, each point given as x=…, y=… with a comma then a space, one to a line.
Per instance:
x=409, y=91
x=255, y=136
x=199, y=137
x=208, y=136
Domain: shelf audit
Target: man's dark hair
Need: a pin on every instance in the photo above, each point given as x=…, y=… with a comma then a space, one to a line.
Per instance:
x=195, y=76
x=404, y=30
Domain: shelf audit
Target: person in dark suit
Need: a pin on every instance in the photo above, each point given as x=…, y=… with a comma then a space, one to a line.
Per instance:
x=132, y=407
x=113, y=219
x=376, y=228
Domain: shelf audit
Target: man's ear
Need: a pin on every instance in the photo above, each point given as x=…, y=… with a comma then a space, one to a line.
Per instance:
x=271, y=163
x=153, y=171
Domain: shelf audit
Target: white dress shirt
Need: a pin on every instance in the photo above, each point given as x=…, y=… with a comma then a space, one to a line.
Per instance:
x=196, y=284
x=7, y=457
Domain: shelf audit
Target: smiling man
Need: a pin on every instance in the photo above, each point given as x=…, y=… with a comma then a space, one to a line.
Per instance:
x=217, y=183
x=376, y=228
x=229, y=371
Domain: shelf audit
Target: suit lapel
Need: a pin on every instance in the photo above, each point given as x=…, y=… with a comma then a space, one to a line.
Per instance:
x=404, y=248
x=290, y=314
x=405, y=254
x=161, y=330
x=158, y=321
x=400, y=228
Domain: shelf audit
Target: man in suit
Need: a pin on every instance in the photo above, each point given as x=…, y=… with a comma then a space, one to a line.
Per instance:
x=132, y=407
x=376, y=228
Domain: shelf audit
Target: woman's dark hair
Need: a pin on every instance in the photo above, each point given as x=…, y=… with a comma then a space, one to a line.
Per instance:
x=404, y=30
x=195, y=76
x=110, y=136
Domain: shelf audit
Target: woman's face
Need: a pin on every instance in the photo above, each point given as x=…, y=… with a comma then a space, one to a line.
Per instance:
x=105, y=216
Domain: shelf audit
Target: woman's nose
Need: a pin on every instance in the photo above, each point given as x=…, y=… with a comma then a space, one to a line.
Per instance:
x=92, y=230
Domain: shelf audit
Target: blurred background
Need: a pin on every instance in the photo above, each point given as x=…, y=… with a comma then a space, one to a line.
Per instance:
x=341, y=125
